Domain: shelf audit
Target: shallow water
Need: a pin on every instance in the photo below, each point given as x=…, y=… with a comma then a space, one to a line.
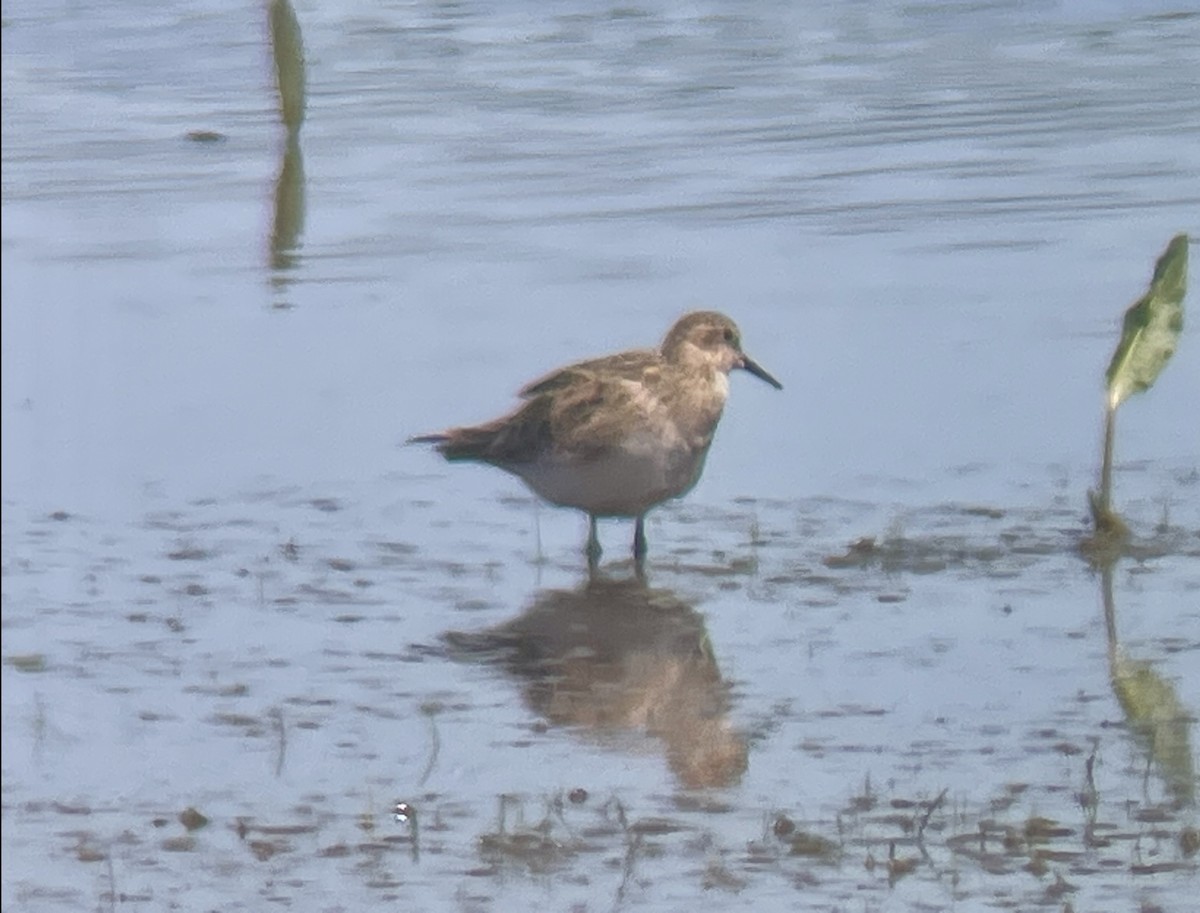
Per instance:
x=868, y=668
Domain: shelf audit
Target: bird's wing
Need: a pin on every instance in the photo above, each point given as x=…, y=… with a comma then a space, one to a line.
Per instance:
x=578, y=412
x=593, y=413
x=629, y=365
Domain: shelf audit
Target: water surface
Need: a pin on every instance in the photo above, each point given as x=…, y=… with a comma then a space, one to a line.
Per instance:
x=868, y=668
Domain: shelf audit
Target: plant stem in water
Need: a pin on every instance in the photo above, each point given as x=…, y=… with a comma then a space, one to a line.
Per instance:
x=1106, y=468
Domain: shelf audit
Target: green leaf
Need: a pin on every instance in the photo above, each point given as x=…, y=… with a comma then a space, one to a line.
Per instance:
x=1152, y=327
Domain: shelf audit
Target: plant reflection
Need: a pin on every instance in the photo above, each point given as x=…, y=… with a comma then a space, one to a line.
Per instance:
x=616, y=657
x=1152, y=708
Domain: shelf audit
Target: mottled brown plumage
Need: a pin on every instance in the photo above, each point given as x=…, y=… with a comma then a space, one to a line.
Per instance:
x=615, y=436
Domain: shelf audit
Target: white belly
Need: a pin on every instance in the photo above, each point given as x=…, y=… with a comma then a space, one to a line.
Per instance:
x=625, y=483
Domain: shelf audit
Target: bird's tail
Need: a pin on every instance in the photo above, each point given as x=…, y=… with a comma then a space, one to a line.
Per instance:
x=507, y=441
x=460, y=443
x=436, y=438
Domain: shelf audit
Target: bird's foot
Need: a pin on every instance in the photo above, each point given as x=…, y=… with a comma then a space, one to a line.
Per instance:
x=639, y=541
x=592, y=549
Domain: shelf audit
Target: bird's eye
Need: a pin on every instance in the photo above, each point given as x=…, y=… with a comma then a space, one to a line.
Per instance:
x=729, y=337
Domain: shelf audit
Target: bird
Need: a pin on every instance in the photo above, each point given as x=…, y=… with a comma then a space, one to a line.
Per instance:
x=618, y=435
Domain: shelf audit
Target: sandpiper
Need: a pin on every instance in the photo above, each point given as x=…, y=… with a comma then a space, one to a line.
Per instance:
x=617, y=435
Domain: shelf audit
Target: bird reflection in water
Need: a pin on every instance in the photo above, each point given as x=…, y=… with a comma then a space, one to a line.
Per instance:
x=615, y=658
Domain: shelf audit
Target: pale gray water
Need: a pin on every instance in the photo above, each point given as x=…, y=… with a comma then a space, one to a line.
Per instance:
x=227, y=585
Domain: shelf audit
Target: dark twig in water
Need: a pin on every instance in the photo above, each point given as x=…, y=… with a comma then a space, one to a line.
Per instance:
x=633, y=844
x=406, y=813
x=621, y=819
x=39, y=727
x=435, y=742
x=261, y=580
x=276, y=715
x=112, y=881
x=933, y=806
x=505, y=800
x=1089, y=798
x=556, y=808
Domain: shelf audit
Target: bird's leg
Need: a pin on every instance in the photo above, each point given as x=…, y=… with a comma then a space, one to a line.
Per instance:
x=592, y=549
x=639, y=539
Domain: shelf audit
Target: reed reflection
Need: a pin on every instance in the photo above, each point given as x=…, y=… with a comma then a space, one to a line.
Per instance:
x=618, y=657
x=290, y=207
x=287, y=50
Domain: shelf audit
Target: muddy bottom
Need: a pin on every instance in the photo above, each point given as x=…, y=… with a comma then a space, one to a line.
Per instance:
x=268, y=701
